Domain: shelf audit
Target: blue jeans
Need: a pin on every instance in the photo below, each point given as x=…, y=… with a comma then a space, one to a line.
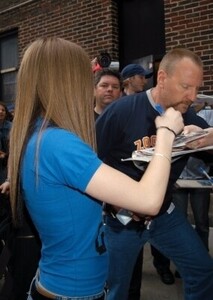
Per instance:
x=199, y=200
x=173, y=236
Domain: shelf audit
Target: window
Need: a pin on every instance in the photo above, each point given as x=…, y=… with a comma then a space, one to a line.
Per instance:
x=8, y=66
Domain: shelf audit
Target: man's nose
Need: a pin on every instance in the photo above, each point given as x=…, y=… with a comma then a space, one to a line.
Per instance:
x=109, y=88
x=192, y=94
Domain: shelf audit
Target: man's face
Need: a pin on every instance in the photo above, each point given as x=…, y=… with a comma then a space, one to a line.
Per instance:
x=180, y=88
x=137, y=83
x=2, y=113
x=107, y=90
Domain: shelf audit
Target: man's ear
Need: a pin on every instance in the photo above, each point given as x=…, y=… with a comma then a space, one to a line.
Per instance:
x=161, y=78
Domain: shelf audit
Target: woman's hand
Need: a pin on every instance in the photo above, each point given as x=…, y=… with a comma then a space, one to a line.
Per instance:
x=171, y=119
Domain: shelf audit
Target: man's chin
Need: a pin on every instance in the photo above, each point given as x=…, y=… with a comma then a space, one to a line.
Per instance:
x=183, y=111
x=182, y=108
x=108, y=100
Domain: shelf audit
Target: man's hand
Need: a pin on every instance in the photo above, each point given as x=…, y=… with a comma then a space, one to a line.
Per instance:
x=202, y=142
x=2, y=154
x=5, y=187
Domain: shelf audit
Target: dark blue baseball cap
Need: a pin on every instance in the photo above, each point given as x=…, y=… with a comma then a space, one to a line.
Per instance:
x=135, y=69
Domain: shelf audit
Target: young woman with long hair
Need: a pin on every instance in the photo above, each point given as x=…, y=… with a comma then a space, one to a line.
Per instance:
x=54, y=168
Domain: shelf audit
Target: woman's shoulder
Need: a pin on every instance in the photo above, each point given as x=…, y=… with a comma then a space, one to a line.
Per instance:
x=60, y=136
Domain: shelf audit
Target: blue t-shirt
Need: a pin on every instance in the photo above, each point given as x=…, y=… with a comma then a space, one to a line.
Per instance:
x=69, y=222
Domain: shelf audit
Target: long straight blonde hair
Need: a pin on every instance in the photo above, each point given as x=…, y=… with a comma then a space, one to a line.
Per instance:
x=54, y=81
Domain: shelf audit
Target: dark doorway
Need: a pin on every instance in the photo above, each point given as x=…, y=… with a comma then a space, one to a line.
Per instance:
x=141, y=30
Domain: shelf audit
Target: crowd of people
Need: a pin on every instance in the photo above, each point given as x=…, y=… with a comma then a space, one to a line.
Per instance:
x=63, y=166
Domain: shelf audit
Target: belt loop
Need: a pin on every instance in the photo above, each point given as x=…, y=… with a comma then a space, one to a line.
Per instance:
x=147, y=222
x=171, y=208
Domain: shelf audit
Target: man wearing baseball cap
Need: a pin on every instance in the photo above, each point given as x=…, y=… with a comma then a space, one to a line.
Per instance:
x=134, y=78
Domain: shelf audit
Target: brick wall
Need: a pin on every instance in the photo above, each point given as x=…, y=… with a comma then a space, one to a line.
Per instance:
x=94, y=25
x=90, y=23
x=190, y=23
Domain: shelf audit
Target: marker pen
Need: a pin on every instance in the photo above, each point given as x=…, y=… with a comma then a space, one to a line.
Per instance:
x=159, y=109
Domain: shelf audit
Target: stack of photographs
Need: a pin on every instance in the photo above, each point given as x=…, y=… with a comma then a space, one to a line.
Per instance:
x=179, y=148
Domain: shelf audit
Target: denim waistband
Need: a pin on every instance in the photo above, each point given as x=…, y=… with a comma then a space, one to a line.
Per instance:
x=91, y=297
x=144, y=223
x=94, y=297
